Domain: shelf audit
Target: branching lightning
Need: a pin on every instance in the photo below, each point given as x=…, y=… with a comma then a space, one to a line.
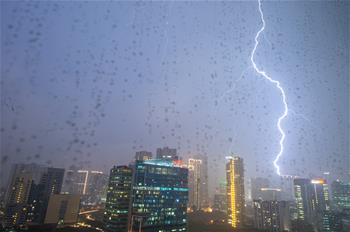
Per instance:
x=278, y=85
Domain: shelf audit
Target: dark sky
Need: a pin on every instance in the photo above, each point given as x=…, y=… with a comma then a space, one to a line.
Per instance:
x=90, y=83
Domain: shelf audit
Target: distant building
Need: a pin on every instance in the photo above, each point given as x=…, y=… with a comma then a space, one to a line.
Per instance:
x=50, y=183
x=159, y=196
x=287, y=187
x=256, y=185
x=312, y=199
x=28, y=193
x=303, y=196
x=341, y=195
x=198, y=182
x=143, y=155
x=167, y=153
x=220, y=203
x=62, y=209
x=91, y=185
x=235, y=191
x=271, y=216
x=22, y=177
x=118, y=200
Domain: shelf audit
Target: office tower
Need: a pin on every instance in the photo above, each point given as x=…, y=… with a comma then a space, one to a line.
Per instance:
x=62, y=209
x=220, y=202
x=312, y=199
x=256, y=185
x=159, y=196
x=143, y=155
x=198, y=182
x=118, y=199
x=50, y=183
x=235, y=191
x=167, y=153
x=22, y=177
x=29, y=192
x=272, y=216
x=96, y=187
x=271, y=194
x=341, y=195
x=303, y=197
x=287, y=187
x=90, y=184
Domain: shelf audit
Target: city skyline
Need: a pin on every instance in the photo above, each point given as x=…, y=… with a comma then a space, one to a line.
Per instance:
x=173, y=116
x=177, y=79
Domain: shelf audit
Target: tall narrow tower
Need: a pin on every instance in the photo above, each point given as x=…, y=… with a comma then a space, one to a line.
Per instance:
x=235, y=191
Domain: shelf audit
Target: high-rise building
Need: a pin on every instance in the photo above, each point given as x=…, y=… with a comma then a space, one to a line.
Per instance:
x=220, y=203
x=271, y=216
x=198, y=182
x=303, y=197
x=50, y=183
x=312, y=199
x=118, y=200
x=28, y=193
x=22, y=177
x=159, y=196
x=341, y=195
x=256, y=185
x=167, y=153
x=143, y=155
x=91, y=185
x=235, y=191
x=287, y=187
x=62, y=209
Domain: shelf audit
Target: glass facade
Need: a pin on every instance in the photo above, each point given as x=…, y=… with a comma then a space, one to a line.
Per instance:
x=341, y=195
x=159, y=196
x=118, y=199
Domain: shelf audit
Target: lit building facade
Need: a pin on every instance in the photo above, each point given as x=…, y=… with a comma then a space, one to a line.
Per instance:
x=271, y=216
x=235, y=191
x=341, y=195
x=159, y=196
x=143, y=155
x=256, y=185
x=91, y=185
x=28, y=194
x=303, y=197
x=116, y=215
x=312, y=200
x=167, y=153
x=198, y=182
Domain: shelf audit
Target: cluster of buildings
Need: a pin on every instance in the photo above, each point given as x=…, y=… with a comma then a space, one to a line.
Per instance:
x=38, y=195
x=156, y=194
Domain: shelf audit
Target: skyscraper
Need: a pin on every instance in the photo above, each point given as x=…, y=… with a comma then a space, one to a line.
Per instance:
x=117, y=208
x=312, y=199
x=22, y=177
x=256, y=185
x=159, y=196
x=143, y=155
x=303, y=197
x=167, y=153
x=50, y=183
x=272, y=216
x=91, y=185
x=29, y=191
x=235, y=191
x=341, y=195
x=198, y=182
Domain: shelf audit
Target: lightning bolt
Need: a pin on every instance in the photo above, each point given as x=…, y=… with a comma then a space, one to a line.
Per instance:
x=279, y=87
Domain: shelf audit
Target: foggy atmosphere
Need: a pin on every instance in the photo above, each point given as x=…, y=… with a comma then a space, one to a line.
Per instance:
x=169, y=116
